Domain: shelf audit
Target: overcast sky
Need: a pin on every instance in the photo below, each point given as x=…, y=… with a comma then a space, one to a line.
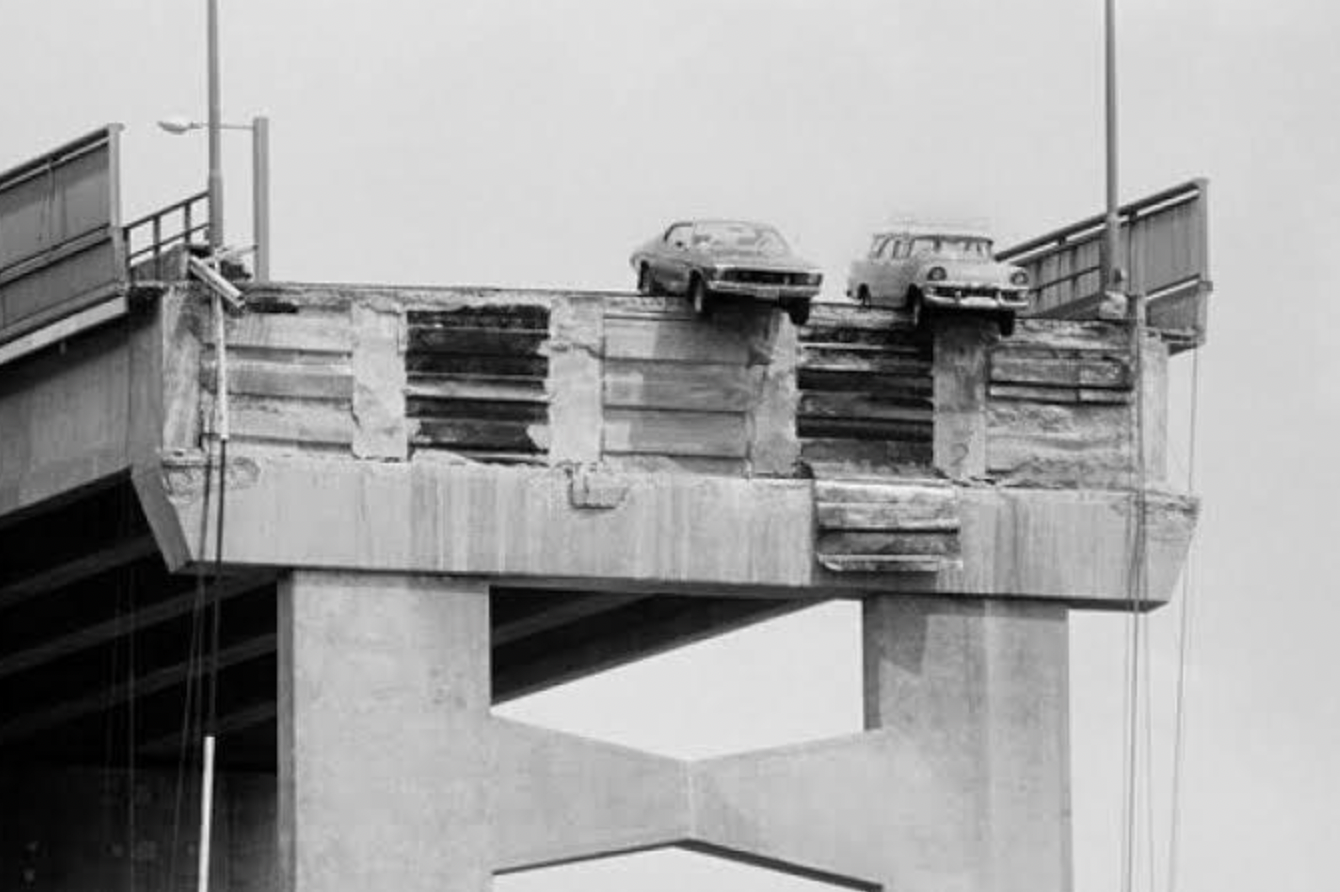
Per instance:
x=533, y=143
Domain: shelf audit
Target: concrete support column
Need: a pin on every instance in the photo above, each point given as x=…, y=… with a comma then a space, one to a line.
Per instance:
x=383, y=710
x=960, y=371
x=974, y=694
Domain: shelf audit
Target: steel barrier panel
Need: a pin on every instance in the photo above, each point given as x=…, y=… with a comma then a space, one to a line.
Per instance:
x=1164, y=245
x=61, y=244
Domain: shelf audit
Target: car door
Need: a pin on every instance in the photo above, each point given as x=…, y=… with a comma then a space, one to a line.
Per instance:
x=884, y=287
x=675, y=257
x=902, y=270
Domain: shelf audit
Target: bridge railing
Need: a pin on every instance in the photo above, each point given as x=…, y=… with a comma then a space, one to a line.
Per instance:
x=61, y=247
x=151, y=238
x=1164, y=247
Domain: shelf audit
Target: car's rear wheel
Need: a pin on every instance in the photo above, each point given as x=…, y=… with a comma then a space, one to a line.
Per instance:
x=799, y=311
x=700, y=297
x=645, y=283
x=863, y=296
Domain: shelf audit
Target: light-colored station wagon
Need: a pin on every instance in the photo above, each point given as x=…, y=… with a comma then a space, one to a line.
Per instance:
x=925, y=270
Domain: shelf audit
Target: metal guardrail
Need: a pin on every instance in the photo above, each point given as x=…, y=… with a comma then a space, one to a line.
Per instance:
x=61, y=241
x=1164, y=245
x=67, y=263
x=150, y=238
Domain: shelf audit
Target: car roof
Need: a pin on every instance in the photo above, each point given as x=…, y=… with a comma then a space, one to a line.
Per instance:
x=916, y=229
x=726, y=220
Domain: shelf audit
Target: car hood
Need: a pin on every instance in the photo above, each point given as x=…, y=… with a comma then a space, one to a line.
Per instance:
x=989, y=272
x=750, y=260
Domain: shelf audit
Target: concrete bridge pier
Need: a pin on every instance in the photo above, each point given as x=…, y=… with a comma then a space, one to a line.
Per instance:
x=972, y=697
x=382, y=720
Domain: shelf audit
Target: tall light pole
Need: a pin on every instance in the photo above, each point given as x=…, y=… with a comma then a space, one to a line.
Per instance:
x=215, y=142
x=260, y=195
x=260, y=184
x=1111, y=271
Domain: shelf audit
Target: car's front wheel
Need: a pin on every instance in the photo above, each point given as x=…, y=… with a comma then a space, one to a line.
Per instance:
x=863, y=296
x=799, y=311
x=701, y=298
x=1006, y=322
x=916, y=311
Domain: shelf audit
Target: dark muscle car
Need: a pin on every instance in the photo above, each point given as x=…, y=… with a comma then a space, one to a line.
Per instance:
x=705, y=260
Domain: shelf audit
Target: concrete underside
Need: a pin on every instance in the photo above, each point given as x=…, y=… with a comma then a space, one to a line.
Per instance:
x=394, y=775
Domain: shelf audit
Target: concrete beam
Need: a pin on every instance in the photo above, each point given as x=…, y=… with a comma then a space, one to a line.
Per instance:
x=225, y=724
x=556, y=613
x=84, y=567
x=673, y=533
x=647, y=635
x=143, y=618
x=22, y=726
x=559, y=798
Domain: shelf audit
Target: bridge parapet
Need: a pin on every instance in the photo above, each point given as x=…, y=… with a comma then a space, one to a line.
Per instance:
x=637, y=384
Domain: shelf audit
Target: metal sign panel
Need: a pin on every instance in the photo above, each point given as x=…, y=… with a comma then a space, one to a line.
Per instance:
x=1164, y=245
x=61, y=244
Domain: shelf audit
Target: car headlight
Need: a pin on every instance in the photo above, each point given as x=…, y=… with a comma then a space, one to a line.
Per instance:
x=936, y=274
x=1019, y=277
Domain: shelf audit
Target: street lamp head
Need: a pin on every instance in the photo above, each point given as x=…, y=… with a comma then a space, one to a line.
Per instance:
x=179, y=125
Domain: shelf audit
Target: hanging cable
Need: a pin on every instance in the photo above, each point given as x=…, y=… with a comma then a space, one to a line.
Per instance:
x=192, y=723
x=1136, y=648
x=211, y=730
x=1183, y=646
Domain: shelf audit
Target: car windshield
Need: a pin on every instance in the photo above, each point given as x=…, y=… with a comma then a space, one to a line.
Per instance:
x=955, y=247
x=739, y=238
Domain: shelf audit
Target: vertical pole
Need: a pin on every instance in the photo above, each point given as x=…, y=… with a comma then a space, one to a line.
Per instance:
x=206, y=815
x=215, y=143
x=1111, y=272
x=260, y=196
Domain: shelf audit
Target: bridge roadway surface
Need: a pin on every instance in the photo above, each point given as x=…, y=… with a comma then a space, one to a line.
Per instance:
x=560, y=482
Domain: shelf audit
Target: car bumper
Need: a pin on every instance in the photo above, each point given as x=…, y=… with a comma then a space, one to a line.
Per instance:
x=779, y=293
x=946, y=296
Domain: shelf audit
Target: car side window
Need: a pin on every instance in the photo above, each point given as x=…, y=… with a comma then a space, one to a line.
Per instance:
x=678, y=234
x=899, y=249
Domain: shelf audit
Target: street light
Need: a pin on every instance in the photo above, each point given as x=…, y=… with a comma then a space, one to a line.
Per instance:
x=260, y=185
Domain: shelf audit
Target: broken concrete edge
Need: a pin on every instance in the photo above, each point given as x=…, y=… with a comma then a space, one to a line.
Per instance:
x=712, y=536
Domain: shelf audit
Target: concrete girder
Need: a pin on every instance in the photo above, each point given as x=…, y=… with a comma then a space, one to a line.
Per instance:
x=664, y=533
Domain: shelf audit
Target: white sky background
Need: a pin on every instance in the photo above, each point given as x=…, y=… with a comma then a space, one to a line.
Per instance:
x=534, y=143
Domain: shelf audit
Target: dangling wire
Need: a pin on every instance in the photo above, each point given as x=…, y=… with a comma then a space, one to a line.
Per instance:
x=1183, y=647
x=207, y=779
x=200, y=710
x=1136, y=648
x=192, y=722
